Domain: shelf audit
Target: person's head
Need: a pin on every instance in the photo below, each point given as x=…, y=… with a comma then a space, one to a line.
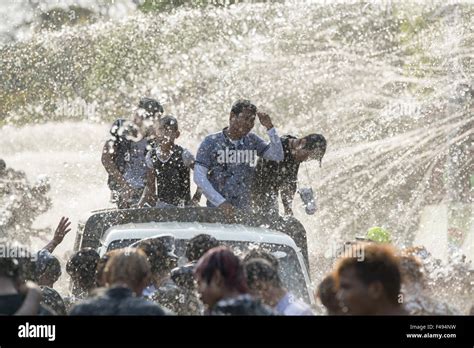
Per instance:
x=242, y=117
x=48, y=268
x=99, y=272
x=160, y=254
x=262, y=254
x=149, y=110
x=326, y=293
x=219, y=274
x=152, y=107
x=263, y=281
x=369, y=285
x=167, y=130
x=82, y=267
x=199, y=245
x=310, y=147
x=128, y=267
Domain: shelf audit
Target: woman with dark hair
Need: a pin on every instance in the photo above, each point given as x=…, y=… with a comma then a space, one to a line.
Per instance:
x=222, y=285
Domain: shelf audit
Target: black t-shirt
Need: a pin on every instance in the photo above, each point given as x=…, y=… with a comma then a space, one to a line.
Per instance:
x=272, y=177
x=10, y=304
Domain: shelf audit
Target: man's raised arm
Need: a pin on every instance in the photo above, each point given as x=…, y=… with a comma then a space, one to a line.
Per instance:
x=273, y=150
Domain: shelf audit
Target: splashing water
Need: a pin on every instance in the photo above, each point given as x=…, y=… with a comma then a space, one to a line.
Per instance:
x=390, y=85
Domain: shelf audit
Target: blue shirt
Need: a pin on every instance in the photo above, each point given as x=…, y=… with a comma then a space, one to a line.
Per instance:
x=231, y=164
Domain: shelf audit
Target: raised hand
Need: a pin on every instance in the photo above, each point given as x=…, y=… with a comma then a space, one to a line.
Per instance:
x=265, y=120
x=62, y=230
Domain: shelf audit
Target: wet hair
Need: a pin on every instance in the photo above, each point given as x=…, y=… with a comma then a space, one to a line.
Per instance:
x=169, y=122
x=327, y=294
x=260, y=270
x=47, y=265
x=223, y=260
x=199, y=245
x=82, y=267
x=156, y=251
x=3, y=165
x=129, y=266
x=316, y=142
x=52, y=269
x=262, y=254
x=242, y=104
x=380, y=264
x=151, y=106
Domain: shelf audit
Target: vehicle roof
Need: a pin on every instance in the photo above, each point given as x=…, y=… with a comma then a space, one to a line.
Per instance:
x=187, y=230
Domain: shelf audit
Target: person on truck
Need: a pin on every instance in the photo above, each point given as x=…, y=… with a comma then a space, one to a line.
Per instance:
x=225, y=161
x=123, y=156
x=274, y=178
x=168, y=180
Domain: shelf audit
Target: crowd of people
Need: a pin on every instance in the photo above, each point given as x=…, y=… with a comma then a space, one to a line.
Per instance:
x=145, y=279
x=236, y=170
